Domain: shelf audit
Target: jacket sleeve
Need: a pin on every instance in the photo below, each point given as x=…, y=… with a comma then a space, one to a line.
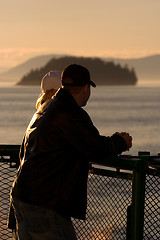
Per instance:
x=80, y=134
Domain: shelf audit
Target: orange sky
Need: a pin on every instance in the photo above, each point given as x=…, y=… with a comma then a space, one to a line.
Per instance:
x=103, y=28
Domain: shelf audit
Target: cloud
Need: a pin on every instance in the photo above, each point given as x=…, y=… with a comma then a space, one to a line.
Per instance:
x=127, y=54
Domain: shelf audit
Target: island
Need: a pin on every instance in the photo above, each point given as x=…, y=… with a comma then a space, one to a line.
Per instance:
x=102, y=72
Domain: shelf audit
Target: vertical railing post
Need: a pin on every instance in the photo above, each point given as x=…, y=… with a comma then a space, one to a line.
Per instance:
x=138, y=199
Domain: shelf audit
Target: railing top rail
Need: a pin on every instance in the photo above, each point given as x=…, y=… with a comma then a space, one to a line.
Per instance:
x=126, y=162
x=9, y=150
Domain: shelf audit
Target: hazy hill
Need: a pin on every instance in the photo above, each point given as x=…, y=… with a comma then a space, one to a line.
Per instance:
x=16, y=73
x=147, y=68
x=102, y=72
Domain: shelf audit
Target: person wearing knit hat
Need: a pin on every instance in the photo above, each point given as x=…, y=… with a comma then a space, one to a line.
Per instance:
x=50, y=83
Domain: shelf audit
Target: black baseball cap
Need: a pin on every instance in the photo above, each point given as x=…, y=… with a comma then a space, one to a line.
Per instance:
x=78, y=74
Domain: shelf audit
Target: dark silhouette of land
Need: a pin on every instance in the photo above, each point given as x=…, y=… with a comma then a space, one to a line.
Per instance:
x=102, y=72
x=147, y=68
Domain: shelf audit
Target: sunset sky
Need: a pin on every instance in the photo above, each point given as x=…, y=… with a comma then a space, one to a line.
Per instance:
x=101, y=28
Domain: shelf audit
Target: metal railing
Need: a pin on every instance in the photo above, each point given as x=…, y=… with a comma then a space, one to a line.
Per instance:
x=123, y=197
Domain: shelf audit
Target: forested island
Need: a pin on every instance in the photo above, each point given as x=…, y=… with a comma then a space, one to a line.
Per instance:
x=102, y=73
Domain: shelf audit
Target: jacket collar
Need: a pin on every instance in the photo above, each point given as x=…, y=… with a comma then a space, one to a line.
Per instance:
x=66, y=96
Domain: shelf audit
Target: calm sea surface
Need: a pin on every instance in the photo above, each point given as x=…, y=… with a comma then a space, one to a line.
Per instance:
x=135, y=109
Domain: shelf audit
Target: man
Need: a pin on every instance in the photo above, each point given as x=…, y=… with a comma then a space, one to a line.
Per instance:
x=60, y=141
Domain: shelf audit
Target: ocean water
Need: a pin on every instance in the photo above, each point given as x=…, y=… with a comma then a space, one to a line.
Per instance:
x=134, y=109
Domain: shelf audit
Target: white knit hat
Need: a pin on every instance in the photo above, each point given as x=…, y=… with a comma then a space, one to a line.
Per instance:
x=52, y=80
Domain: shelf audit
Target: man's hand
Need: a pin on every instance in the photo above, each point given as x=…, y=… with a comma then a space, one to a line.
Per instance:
x=127, y=138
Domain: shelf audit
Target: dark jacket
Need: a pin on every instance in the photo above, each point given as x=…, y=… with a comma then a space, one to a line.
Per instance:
x=60, y=142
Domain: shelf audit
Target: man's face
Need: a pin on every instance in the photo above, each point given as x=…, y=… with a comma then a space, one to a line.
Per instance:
x=86, y=95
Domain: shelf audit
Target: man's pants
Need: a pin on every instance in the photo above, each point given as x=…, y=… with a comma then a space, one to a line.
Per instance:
x=36, y=223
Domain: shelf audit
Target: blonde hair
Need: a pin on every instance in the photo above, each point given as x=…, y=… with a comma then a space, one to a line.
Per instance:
x=44, y=97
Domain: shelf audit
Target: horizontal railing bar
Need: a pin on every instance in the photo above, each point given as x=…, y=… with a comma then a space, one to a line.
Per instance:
x=153, y=172
x=9, y=149
x=110, y=173
x=126, y=162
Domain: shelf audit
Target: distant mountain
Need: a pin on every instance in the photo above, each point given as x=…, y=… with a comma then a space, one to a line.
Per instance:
x=147, y=68
x=3, y=69
x=102, y=72
x=16, y=73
